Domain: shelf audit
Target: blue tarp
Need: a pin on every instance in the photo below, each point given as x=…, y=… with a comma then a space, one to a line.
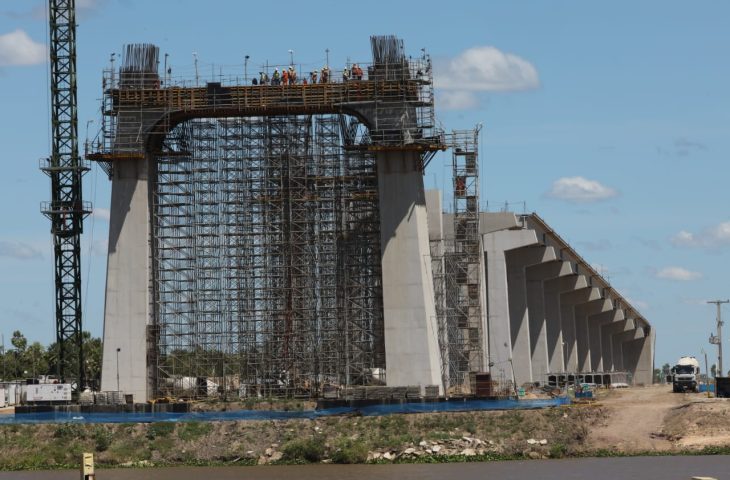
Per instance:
x=371, y=410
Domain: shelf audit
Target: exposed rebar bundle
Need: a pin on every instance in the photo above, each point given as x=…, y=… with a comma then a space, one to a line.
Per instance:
x=140, y=58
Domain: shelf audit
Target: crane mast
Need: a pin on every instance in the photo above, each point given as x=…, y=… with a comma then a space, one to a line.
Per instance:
x=66, y=210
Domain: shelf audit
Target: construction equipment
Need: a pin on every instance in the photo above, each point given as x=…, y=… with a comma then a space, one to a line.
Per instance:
x=66, y=210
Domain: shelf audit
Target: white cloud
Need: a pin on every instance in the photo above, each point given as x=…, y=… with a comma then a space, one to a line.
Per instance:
x=580, y=190
x=456, y=100
x=19, y=251
x=17, y=48
x=101, y=214
x=710, y=238
x=678, y=273
x=484, y=69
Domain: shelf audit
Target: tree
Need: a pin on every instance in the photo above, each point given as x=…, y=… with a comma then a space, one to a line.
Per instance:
x=19, y=342
x=666, y=370
x=92, y=357
x=713, y=370
x=657, y=375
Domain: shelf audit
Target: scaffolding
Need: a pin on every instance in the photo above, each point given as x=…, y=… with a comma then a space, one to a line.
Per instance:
x=266, y=275
x=267, y=259
x=456, y=266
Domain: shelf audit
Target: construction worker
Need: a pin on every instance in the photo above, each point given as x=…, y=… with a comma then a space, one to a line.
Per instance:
x=356, y=72
x=345, y=74
x=284, y=76
x=275, y=77
x=325, y=75
x=292, y=75
x=313, y=77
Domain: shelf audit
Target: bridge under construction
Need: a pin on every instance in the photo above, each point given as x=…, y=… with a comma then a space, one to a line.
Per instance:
x=275, y=239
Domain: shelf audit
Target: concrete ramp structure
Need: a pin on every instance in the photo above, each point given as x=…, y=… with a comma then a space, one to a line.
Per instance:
x=548, y=313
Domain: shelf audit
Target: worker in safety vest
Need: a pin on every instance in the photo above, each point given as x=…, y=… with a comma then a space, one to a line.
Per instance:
x=345, y=74
x=292, y=75
x=285, y=77
x=275, y=77
x=313, y=77
x=325, y=75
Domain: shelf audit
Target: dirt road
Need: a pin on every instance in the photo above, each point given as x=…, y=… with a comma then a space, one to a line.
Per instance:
x=636, y=417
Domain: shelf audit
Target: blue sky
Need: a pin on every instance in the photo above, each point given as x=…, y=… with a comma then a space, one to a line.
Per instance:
x=609, y=119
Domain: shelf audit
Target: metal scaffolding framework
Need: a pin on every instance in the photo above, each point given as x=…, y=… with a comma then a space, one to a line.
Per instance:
x=267, y=258
x=456, y=264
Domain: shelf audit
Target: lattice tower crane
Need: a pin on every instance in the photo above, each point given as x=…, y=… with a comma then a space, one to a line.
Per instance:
x=66, y=210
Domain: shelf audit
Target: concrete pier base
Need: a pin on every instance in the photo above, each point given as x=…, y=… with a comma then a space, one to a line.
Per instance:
x=411, y=333
x=127, y=302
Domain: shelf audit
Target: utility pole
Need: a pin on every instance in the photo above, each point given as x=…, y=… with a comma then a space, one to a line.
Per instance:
x=707, y=373
x=717, y=340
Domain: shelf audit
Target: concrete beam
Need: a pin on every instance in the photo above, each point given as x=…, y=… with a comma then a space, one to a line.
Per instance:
x=411, y=344
x=497, y=315
x=552, y=290
x=568, y=302
x=595, y=326
x=544, y=333
x=582, y=313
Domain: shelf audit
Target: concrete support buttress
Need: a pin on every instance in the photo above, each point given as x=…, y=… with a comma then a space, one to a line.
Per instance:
x=411, y=342
x=127, y=300
x=595, y=328
x=639, y=356
x=611, y=360
x=543, y=331
x=498, y=310
x=553, y=289
x=517, y=288
x=568, y=302
x=582, y=313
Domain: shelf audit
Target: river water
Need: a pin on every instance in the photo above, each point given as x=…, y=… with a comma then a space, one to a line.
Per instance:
x=644, y=468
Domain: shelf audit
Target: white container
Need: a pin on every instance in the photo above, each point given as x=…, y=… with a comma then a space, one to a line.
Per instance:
x=58, y=392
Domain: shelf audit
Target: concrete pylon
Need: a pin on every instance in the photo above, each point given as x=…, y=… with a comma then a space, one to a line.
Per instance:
x=518, y=260
x=411, y=331
x=498, y=318
x=638, y=355
x=595, y=325
x=611, y=355
x=127, y=300
x=552, y=290
x=568, y=302
x=582, y=313
x=544, y=331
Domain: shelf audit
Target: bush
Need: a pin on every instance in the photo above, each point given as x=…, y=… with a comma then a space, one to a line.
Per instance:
x=558, y=450
x=102, y=439
x=351, y=451
x=69, y=431
x=309, y=450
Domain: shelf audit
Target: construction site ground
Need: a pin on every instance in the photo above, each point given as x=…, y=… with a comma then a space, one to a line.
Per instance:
x=632, y=421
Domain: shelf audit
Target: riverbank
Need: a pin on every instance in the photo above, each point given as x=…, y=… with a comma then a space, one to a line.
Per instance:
x=618, y=424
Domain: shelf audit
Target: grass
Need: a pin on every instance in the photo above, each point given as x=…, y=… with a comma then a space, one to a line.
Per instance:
x=304, y=450
x=193, y=430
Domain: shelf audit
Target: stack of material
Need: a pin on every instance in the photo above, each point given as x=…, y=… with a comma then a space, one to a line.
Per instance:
x=115, y=398
x=413, y=392
x=432, y=391
x=358, y=393
x=86, y=398
x=399, y=393
x=377, y=392
x=329, y=391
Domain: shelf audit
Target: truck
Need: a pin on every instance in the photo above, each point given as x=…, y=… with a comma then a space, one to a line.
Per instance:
x=685, y=375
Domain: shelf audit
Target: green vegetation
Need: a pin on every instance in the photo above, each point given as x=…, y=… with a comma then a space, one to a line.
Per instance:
x=193, y=430
x=25, y=360
x=304, y=450
x=351, y=451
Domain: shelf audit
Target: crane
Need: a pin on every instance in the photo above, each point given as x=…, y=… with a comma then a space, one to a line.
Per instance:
x=66, y=210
